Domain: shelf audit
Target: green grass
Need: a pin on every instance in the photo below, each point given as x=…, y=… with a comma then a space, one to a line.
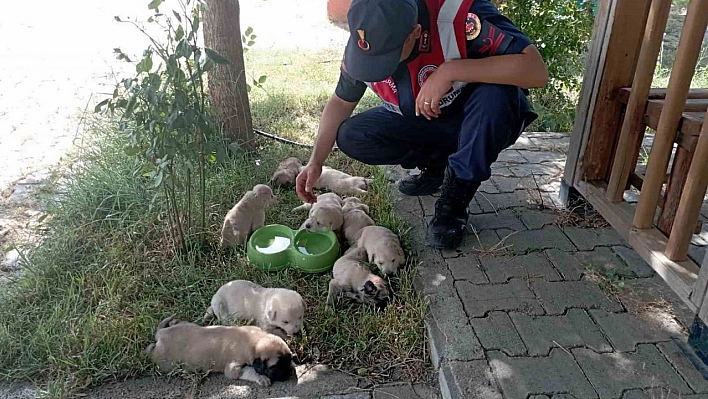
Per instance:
x=298, y=85
x=700, y=78
x=106, y=274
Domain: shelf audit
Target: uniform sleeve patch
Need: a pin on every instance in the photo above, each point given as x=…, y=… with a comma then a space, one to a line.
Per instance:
x=489, y=40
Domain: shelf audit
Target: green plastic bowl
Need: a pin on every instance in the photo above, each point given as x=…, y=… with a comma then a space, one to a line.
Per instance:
x=275, y=247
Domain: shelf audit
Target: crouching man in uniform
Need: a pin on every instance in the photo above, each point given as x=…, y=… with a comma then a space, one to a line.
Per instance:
x=453, y=76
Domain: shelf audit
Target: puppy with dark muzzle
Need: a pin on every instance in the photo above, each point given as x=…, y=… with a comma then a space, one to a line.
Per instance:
x=287, y=171
x=246, y=353
x=354, y=280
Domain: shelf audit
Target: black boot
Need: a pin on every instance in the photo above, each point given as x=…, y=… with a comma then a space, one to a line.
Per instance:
x=447, y=227
x=425, y=183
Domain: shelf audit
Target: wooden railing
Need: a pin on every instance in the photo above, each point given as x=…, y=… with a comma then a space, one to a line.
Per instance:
x=617, y=105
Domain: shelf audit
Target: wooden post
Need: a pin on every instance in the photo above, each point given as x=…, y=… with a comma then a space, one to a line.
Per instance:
x=594, y=67
x=633, y=126
x=692, y=196
x=674, y=189
x=628, y=25
x=686, y=58
x=699, y=296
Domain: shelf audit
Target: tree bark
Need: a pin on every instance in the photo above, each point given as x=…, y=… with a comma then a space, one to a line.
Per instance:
x=227, y=82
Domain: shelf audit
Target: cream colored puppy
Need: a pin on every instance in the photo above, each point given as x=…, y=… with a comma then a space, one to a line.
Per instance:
x=342, y=183
x=246, y=216
x=246, y=353
x=325, y=214
x=383, y=248
x=355, y=280
x=278, y=311
x=355, y=219
x=287, y=171
x=352, y=203
x=331, y=179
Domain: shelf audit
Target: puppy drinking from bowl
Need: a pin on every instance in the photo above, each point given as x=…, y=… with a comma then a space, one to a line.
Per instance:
x=246, y=353
x=354, y=280
x=246, y=216
x=382, y=247
x=278, y=311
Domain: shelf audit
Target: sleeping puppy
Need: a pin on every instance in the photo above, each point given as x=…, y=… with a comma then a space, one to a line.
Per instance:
x=278, y=311
x=355, y=219
x=325, y=214
x=352, y=203
x=342, y=183
x=246, y=353
x=246, y=216
x=383, y=248
x=287, y=171
x=354, y=280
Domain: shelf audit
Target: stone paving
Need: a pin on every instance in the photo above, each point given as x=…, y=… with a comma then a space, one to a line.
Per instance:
x=312, y=382
x=542, y=303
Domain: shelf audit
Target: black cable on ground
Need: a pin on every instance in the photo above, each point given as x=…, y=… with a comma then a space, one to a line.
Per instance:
x=284, y=140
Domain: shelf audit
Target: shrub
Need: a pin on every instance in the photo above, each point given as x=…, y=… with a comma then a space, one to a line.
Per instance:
x=561, y=29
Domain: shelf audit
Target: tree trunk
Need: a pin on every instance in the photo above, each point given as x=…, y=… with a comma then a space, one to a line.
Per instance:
x=227, y=82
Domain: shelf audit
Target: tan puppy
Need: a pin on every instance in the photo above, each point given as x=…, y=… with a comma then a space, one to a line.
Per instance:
x=352, y=203
x=325, y=214
x=246, y=353
x=342, y=183
x=355, y=280
x=383, y=248
x=355, y=219
x=287, y=171
x=331, y=179
x=278, y=311
x=246, y=216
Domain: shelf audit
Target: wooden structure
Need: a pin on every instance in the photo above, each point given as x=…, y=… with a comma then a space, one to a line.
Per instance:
x=617, y=104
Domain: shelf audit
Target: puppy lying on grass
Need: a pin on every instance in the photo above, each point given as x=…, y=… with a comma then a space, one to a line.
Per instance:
x=355, y=280
x=277, y=311
x=382, y=247
x=246, y=353
x=324, y=215
x=356, y=218
x=287, y=171
x=246, y=216
x=331, y=179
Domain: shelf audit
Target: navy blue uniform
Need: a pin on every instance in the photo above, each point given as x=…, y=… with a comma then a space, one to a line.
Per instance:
x=480, y=122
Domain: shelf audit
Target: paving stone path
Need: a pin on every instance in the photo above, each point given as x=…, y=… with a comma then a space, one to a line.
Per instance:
x=541, y=303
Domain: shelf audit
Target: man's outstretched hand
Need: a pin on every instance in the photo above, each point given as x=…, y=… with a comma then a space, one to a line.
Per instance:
x=306, y=180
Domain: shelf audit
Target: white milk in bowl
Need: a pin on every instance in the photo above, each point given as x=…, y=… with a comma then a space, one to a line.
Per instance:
x=278, y=244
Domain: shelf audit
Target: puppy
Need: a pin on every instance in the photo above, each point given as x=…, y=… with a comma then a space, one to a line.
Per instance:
x=246, y=353
x=325, y=214
x=354, y=280
x=352, y=203
x=246, y=216
x=342, y=183
x=355, y=219
x=277, y=311
x=287, y=171
x=383, y=248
